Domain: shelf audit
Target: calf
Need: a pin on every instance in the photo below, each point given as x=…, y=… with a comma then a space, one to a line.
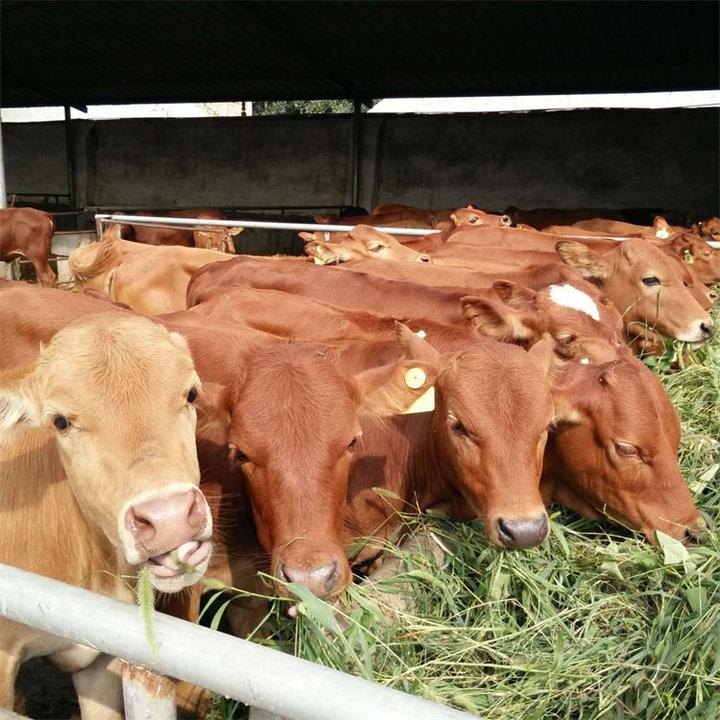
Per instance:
x=614, y=450
x=28, y=233
x=98, y=476
x=150, y=280
x=360, y=243
x=208, y=237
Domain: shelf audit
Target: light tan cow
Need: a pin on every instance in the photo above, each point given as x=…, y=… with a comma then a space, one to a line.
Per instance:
x=360, y=243
x=98, y=478
x=150, y=279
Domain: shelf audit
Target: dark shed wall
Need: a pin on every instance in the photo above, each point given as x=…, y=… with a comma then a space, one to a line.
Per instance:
x=598, y=158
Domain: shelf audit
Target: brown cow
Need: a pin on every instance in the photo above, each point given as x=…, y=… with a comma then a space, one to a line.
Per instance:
x=576, y=316
x=28, y=233
x=519, y=315
x=646, y=288
x=615, y=454
x=98, y=475
x=540, y=218
x=206, y=237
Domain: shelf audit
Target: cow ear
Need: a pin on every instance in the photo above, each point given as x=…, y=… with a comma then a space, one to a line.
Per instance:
x=497, y=319
x=113, y=232
x=404, y=386
x=587, y=262
x=513, y=294
x=415, y=347
x=214, y=403
x=662, y=229
x=543, y=355
x=394, y=389
x=17, y=406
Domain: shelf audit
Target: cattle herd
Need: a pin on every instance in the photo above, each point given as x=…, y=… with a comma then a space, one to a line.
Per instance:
x=183, y=396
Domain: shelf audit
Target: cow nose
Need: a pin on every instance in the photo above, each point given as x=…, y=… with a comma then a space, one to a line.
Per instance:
x=708, y=329
x=696, y=534
x=425, y=259
x=161, y=524
x=321, y=581
x=518, y=534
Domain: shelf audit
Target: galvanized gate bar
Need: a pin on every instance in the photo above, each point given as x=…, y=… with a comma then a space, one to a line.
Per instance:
x=141, y=220
x=192, y=222
x=256, y=675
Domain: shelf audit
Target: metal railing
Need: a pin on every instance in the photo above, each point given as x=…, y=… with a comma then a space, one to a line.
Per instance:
x=257, y=676
x=169, y=222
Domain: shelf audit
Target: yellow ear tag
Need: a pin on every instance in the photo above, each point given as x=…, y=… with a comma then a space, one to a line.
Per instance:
x=425, y=403
x=662, y=233
x=584, y=361
x=688, y=257
x=421, y=334
x=317, y=260
x=415, y=378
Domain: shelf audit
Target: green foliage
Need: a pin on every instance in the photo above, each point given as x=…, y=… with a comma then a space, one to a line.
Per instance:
x=596, y=623
x=145, y=596
x=302, y=107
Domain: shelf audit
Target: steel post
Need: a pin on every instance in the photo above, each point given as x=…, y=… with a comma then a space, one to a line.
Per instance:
x=70, y=159
x=3, y=189
x=147, y=695
x=356, y=142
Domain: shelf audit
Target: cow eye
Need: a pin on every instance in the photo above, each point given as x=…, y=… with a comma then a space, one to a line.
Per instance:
x=61, y=422
x=626, y=449
x=376, y=248
x=566, y=339
x=651, y=280
x=235, y=454
x=459, y=429
x=192, y=395
x=474, y=219
x=353, y=443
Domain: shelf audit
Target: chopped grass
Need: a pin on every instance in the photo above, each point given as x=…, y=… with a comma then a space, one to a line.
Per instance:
x=596, y=623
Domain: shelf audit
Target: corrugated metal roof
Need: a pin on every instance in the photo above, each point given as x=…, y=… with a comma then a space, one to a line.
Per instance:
x=120, y=52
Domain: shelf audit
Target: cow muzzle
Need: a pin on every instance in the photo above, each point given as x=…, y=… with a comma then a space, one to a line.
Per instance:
x=699, y=332
x=516, y=534
x=171, y=532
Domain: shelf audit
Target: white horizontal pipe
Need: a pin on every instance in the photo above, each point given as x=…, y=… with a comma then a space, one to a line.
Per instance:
x=182, y=222
x=256, y=675
x=310, y=227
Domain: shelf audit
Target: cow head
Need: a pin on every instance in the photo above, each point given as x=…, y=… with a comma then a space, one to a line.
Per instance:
x=577, y=316
x=472, y=216
x=614, y=451
x=711, y=228
x=359, y=244
x=491, y=421
x=291, y=423
x=216, y=238
x=695, y=251
x=112, y=398
x=646, y=287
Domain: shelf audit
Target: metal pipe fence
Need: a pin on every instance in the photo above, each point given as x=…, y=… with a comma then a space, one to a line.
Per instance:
x=153, y=221
x=168, y=222
x=257, y=676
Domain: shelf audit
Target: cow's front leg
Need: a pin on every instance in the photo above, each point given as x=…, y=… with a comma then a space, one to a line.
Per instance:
x=99, y=689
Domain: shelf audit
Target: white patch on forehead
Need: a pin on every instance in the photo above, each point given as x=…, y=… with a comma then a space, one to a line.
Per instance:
x=569, y=296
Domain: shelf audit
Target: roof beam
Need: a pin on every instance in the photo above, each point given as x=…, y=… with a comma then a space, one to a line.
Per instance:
x=297, y=44
x=53, y=98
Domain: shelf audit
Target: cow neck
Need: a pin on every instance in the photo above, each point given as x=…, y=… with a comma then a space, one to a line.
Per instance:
x=403, y=458
x=42, y=528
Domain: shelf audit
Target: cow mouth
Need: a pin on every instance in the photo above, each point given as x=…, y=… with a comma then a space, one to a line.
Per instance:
x=186, y=561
